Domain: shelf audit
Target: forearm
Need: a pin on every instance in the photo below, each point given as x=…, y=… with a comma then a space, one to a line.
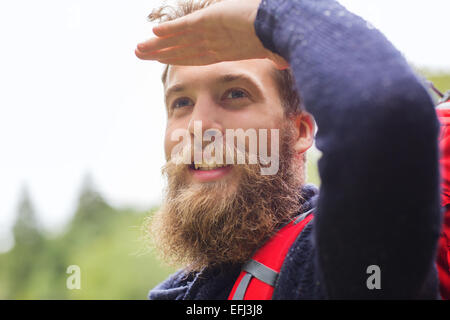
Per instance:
x=379, y=197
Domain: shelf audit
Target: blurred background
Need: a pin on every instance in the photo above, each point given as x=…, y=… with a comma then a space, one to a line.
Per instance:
x=81, y=138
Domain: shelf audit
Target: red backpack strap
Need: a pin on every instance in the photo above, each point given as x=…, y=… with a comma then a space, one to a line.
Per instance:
x=443, y=254
x=259, y=275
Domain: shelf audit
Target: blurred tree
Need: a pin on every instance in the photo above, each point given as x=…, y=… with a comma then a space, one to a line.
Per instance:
x=26, y=229
x=91, y=205
x=28, y=245
x=92, y=214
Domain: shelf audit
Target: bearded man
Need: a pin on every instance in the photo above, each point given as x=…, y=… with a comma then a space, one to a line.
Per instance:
x=243, y=65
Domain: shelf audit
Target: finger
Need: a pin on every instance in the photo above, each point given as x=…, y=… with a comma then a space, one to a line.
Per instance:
x=158, y=43
x=170, y=53
x=140, y=54
x=178, y=52
x=172, y=27
x=197, y=60
x=173, y=53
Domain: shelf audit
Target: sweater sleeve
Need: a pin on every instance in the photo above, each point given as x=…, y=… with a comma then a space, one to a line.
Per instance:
x=377, y=131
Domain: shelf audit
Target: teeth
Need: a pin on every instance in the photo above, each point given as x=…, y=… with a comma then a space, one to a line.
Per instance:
x=207, y=166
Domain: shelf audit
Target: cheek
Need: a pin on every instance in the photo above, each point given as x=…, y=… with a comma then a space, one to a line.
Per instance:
x=269, y=142
x=176, y=138
x=167, y=145
x=170, y=142
x=255, y=118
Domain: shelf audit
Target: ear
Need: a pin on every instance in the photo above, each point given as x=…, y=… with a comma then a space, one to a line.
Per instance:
x=304, y=128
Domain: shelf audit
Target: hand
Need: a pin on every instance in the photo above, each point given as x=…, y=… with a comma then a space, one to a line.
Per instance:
x=221, y=32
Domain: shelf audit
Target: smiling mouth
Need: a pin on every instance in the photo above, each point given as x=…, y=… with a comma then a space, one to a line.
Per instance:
x=209, y=172
x=207, y=166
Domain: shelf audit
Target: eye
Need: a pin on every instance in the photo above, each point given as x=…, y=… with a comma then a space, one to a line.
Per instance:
x=236, y=94
x=182, y=102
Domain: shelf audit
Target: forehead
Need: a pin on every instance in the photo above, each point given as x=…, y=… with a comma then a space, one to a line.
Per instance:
x=260, y=71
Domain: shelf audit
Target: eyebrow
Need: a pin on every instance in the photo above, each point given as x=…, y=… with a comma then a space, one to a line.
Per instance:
x=220, y=80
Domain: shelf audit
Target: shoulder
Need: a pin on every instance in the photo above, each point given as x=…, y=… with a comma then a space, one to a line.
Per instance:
x=299, y=277
x=173, y=288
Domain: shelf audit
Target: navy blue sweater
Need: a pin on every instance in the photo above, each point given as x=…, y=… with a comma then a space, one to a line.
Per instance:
x=379, y=196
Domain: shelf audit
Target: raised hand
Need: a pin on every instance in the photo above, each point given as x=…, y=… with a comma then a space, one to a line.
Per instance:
x=221, y=32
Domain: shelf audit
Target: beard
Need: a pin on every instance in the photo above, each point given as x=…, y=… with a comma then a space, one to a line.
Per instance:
x=209, y=224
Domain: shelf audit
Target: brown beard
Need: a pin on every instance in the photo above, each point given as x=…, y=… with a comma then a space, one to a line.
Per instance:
x=208, y=224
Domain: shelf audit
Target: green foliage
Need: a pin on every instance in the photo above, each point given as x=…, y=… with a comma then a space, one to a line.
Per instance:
x=105, y=242
x=26, y=230
x=441, y=80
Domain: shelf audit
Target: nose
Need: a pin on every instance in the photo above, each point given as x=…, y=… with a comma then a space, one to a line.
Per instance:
x=205, y=116
x=206, y=119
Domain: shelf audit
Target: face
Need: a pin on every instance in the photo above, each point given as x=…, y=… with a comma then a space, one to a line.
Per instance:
x=216, y=213
x=223, y=96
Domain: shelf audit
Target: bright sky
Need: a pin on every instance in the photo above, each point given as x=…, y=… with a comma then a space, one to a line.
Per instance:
x=75, y=99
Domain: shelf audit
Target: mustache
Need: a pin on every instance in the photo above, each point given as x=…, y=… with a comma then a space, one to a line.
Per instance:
x=220, y=153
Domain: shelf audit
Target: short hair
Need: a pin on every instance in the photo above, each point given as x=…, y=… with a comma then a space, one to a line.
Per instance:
x=284, y=79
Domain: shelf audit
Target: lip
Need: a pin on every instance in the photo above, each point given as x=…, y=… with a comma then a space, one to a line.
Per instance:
x=210, y=175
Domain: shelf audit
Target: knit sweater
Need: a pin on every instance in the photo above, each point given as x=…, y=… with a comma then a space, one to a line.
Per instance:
x=379, y=201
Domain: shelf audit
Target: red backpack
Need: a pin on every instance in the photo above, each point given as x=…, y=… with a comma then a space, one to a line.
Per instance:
x=258, y=278
x=443, y=256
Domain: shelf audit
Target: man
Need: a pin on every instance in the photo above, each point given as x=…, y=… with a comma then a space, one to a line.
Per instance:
x=378, y=209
